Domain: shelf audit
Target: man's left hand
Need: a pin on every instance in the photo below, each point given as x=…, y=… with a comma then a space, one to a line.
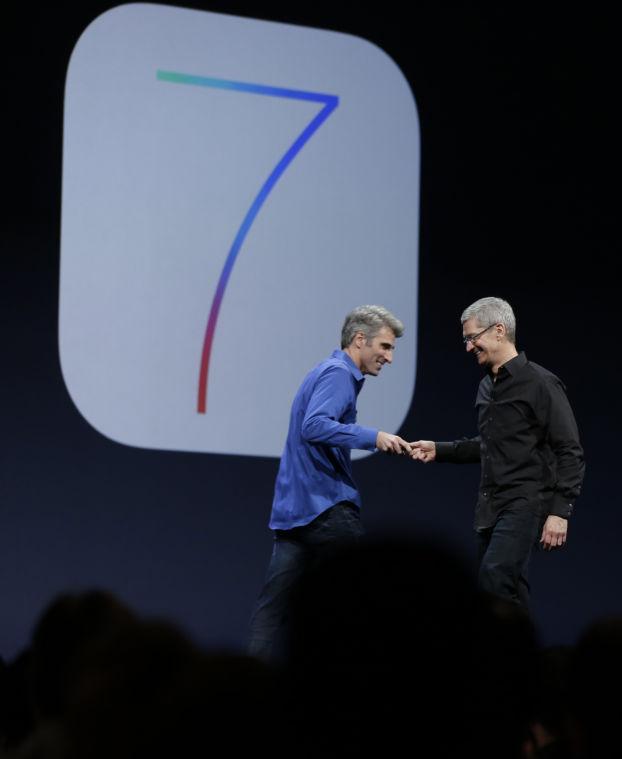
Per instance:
x=554, y=532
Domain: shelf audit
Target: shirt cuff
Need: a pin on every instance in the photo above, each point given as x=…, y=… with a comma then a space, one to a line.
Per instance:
x=444, y=451
x=368, y=439
x=561, y=507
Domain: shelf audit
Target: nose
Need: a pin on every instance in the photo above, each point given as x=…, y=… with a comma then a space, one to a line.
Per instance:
x=388, y=357
x=469, y=346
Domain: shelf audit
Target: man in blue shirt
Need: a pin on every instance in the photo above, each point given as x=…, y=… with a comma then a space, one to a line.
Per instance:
x=316, y=501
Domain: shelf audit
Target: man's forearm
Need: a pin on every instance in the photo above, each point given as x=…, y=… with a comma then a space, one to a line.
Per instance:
x=464, y=451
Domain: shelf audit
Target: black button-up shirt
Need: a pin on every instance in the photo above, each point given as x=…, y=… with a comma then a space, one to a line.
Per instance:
x=528, y=442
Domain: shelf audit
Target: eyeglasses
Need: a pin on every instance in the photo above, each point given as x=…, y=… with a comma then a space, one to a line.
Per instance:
x=472, y=338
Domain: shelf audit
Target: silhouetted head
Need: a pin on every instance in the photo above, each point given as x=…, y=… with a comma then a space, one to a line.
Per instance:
x=595, y=675
x=66, y=629
x=391, y=641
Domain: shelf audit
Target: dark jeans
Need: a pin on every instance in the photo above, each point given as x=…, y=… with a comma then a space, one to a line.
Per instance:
x=505, y=550
x=293, y=550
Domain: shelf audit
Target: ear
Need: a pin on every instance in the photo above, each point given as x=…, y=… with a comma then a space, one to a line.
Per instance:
x=500, y=331
x=359, y=339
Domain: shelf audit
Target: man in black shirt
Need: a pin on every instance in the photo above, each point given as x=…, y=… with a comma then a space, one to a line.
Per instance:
x=528, y=445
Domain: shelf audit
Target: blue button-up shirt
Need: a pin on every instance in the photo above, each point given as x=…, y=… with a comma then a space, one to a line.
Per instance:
x=315, y=471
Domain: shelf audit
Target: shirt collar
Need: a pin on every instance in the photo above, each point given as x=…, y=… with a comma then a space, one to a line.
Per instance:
x=354, y=370
x=514, y=365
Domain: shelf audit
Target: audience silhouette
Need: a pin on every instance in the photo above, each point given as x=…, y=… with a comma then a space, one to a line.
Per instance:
x=594, y=677
x=101, y=682
x=390, y=648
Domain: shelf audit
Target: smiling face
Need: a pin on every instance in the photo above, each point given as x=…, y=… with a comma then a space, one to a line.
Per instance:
x=489, y=344
x=370, y=356
x=482, y=341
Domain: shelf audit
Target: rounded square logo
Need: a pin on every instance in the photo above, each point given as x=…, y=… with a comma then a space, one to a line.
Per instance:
x=231, y=189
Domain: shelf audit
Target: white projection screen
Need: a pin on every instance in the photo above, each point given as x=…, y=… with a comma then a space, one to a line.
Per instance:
x=231, y=189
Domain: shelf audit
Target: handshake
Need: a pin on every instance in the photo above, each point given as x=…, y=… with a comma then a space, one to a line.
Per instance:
x=420, y=450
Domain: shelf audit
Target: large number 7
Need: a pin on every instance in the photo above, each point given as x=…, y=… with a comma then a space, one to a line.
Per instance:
x=330, y=103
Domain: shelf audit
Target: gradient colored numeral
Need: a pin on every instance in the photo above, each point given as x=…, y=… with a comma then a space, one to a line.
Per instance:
x=330, y=102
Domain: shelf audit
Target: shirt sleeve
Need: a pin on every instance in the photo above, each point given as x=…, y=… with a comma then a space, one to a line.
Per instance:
x=464, y=451
x=563, y=438
x=332, y=397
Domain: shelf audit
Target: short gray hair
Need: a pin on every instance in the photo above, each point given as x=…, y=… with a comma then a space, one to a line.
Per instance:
x=489, y=311
x=369, y=320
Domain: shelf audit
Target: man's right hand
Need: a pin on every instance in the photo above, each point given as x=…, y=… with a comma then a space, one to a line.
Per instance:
x=423, y=450
x=392, y=444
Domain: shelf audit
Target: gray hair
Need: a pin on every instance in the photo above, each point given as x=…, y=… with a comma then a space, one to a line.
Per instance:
x=489, y=311
x=369, y=320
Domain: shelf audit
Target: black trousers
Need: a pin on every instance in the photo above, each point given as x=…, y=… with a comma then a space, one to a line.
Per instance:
x=292, y=551
x=505, y=550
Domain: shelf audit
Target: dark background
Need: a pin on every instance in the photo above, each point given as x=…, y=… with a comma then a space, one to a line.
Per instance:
x=519, y=198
